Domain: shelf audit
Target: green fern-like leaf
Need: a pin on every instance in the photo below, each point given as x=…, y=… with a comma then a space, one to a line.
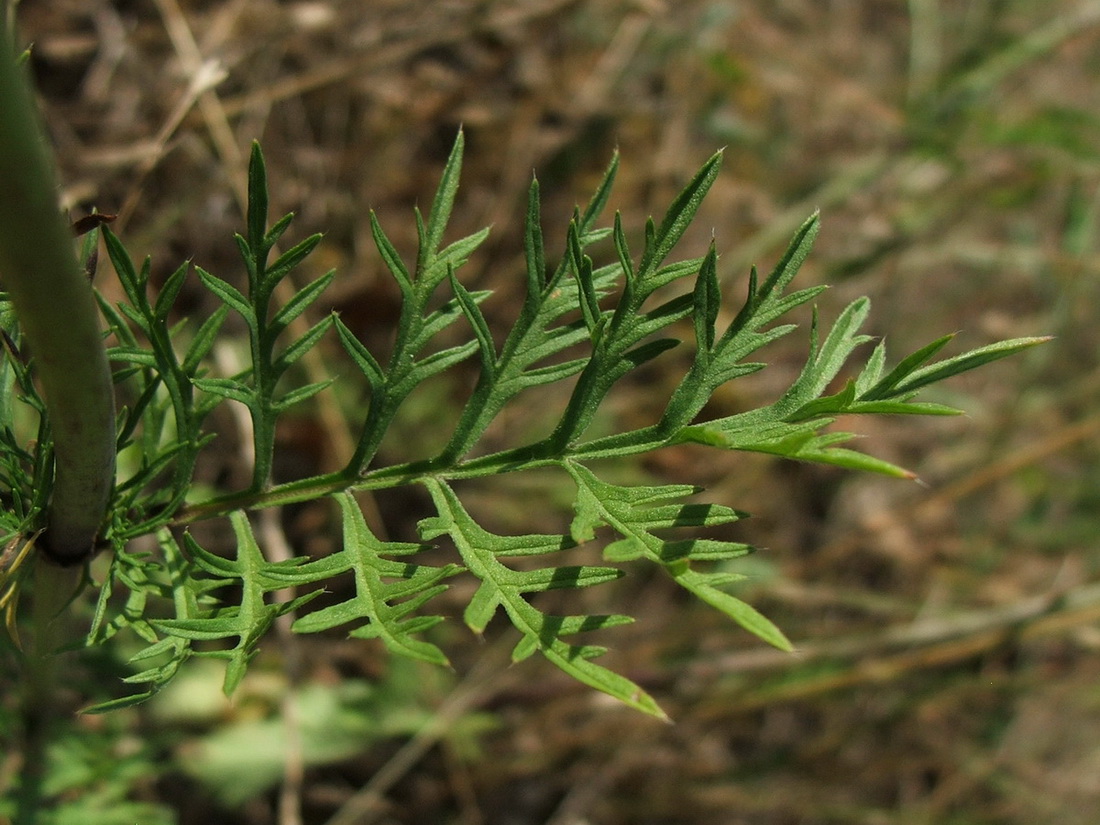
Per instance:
x=636, y=513
x=583, y=326
x=249, y=621
x=510, y=589
x=388, y=593
x=143, y=578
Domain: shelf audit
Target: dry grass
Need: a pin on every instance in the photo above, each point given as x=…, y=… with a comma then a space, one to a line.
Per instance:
x=948, y=669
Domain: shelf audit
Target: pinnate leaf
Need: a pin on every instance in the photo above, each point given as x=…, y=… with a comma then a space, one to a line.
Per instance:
x=388, y=593
x=504, y=587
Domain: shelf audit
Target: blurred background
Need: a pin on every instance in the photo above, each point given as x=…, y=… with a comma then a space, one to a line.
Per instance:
x=947, y=631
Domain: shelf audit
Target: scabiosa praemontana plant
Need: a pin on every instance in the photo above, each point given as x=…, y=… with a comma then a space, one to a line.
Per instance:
x=582, y=326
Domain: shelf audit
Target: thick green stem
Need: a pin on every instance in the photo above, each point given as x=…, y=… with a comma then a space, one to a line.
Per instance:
x=56, y=310
x=53, y=588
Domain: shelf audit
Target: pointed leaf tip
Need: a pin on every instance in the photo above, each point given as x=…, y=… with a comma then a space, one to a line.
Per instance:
x=257, y=197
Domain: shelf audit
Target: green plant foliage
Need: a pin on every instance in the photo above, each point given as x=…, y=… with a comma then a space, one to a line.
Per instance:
x=240, y=759
x=92, y=774
x=388, y=593
x=582, y=326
